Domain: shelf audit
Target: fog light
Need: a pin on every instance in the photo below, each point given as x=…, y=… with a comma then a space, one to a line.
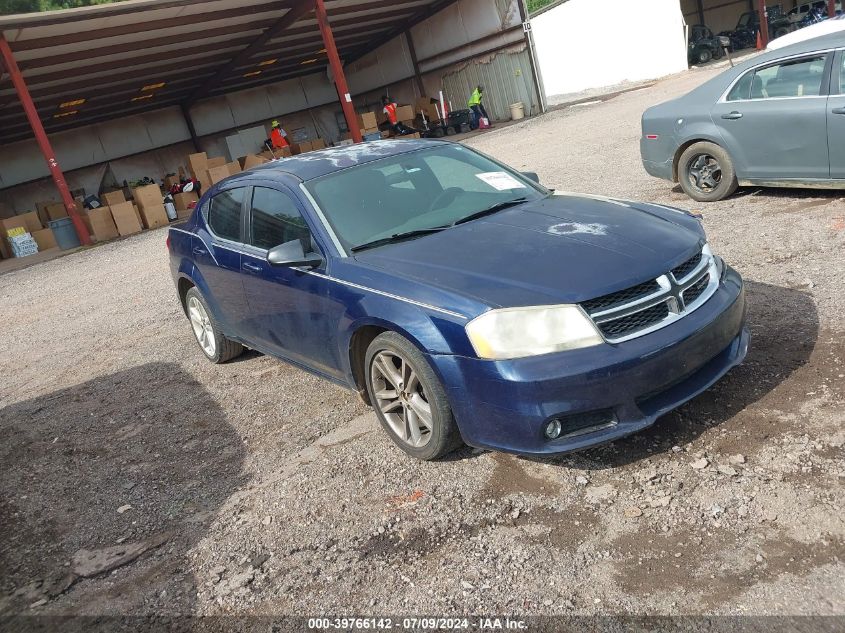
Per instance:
x=553, y=429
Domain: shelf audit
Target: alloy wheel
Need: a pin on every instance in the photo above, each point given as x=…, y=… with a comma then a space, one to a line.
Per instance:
x=400, y=396
x=202, y=327
x=705, y=173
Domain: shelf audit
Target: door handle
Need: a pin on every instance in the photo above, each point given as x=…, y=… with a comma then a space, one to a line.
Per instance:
x=251, y=267
x=838, y=110
x=732, y=116
x=199, y=251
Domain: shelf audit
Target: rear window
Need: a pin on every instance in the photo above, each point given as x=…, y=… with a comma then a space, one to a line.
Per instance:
x=224, y=214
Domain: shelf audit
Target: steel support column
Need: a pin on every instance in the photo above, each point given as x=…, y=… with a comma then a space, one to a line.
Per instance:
x=700, y=4
x=41, y=137
x=337, y=71
x=537, y=79
x=413, y=50
x=831, y=8
x=186, y=114
x=764, y=24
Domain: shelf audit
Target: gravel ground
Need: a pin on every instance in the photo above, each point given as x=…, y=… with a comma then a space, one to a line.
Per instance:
x=140, y=479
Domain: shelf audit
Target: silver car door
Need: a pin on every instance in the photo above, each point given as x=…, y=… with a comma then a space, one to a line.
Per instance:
x=773, y=120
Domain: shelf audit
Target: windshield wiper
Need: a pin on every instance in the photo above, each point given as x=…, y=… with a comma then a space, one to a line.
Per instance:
x=499, y=206
x=397, y=237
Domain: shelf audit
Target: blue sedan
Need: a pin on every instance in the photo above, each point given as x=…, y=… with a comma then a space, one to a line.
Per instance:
x=461, y=299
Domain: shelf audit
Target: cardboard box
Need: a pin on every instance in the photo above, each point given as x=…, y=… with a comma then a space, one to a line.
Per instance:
x=45, y=239
x=405, y=113
x=367, y=119
x=369, y=130
x=154, y=216
x=55, y=211
x=28, y=221
x=147, y=196
x=183, y=214
x=216, y=174
x=251, y=160
x=102, y=225
x=41, y=210
x=169, y=181
x=318, y=143
x=218, y=161
x=113, y=197
x=301, y=148
x=138, y=215
x=197, y=163
x=183, y=201
x=234, y=167
x=125, y=218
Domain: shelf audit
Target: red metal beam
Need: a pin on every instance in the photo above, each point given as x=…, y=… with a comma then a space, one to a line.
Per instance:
x=337, y=71
x=764, y=25
x=43, y=141
x=831, y=8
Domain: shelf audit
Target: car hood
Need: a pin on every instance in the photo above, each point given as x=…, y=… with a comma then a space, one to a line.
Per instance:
x=562, y=249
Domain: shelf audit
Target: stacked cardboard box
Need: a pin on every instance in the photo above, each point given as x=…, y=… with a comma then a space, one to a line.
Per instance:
x=197, y=164
x=126, y=218
x=151, y=206
x=100, y=224
x=21, y=242
x=184, y=203
x=251, y=160
x=29, y=222
x=234, y=167
x=45, y=239
x=113, y=197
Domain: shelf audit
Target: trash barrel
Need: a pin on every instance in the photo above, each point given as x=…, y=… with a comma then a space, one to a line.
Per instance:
x=65, y=233
x=517, y=111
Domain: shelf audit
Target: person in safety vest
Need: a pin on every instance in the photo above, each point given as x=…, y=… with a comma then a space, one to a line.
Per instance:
x=278, y=137
x=390, y=110
x=477, y=107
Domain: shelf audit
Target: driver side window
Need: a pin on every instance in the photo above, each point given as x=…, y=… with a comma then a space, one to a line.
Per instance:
x=276, y=220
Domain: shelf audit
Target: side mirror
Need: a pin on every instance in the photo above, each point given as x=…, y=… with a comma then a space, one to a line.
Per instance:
x=532, y=175
x=292, y=254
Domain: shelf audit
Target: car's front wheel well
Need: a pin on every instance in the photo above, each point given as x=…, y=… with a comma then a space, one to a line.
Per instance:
x=184, y=286
x=361, y=340
x=676, y=161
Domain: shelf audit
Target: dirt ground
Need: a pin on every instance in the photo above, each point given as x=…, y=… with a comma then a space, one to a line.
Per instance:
x=140, y=479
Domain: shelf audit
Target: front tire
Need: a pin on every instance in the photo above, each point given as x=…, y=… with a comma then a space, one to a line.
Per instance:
x=704, y=55
x=408, y=398
x=706, y=172
x=216, y=347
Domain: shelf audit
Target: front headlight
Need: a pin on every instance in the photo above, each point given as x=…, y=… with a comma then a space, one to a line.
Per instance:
x=531, y=331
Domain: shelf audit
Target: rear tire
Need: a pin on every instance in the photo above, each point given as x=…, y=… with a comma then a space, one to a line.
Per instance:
x=214, y=345
x=704, y=55
x=706, y=172
x=408, y=398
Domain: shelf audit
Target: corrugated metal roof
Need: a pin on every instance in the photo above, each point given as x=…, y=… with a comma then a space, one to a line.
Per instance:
x=179, y=51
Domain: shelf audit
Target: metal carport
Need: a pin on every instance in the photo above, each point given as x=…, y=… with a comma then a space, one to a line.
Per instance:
x=77, y=67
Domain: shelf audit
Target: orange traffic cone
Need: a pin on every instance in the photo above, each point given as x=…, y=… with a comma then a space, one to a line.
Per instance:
x=759, y=41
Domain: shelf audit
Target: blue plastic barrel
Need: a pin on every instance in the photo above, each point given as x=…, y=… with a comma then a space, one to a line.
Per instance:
x=65, y=233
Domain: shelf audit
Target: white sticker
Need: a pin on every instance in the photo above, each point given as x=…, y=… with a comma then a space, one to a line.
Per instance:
x=500, y=180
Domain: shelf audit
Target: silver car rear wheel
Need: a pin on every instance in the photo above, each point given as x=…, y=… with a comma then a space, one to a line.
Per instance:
x=201, y=325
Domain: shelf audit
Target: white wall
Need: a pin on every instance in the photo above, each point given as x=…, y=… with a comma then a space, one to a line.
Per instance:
x=581, y=46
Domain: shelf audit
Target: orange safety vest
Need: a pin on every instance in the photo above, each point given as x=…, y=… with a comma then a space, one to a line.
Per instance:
x=278, y=140
x=390, y=111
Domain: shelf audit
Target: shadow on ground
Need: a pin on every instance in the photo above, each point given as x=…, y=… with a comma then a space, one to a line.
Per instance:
x=133, y=465
x=784, y=328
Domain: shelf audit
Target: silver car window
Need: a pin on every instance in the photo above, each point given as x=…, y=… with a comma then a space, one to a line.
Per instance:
x=792, y=78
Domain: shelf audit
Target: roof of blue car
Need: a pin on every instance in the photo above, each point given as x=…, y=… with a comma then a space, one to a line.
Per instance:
x=319, y=163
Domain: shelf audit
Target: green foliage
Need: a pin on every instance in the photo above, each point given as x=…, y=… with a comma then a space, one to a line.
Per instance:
x=8, y=7
x=532, y=5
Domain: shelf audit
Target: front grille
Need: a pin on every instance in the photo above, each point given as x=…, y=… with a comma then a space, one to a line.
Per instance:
x=687, y=267
x=695, y=291
x=635, y=322
x=621, y=297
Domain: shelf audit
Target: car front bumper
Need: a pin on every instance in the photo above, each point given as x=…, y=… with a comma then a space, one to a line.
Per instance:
x=505, y=405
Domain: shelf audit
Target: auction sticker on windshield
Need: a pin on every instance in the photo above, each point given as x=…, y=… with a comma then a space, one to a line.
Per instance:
x=500, y=180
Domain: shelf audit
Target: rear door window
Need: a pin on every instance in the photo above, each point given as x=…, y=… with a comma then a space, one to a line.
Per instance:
x=224, y=214
x=793, y=78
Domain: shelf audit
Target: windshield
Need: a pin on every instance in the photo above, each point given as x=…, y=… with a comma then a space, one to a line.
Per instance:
x=428, y=189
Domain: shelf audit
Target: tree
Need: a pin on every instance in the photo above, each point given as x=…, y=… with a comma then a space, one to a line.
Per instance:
x=536, y=5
